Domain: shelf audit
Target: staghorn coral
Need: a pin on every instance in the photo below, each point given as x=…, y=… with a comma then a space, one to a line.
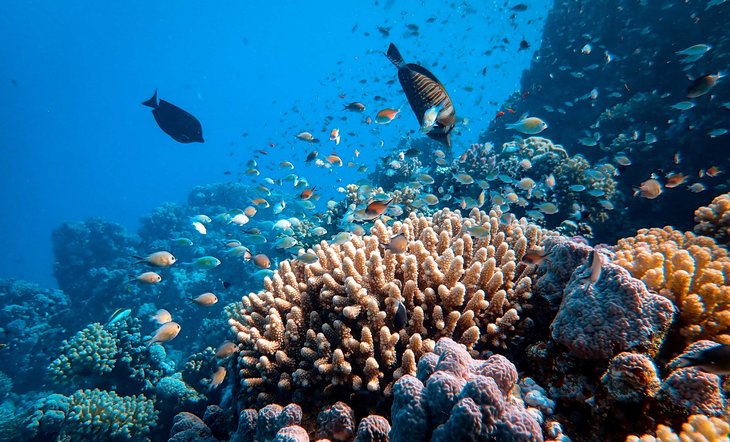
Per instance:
x=697, y=428
x=93, y=415
x=614, y=314
x=689, y=270
x=714, y=220
x=460, y=398
x=331, y=324
x=89, y=354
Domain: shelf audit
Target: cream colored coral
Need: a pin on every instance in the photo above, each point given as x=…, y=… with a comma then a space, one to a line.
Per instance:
x=690, y=270
x=714, y=220
x=331, y=323
x=698, y=428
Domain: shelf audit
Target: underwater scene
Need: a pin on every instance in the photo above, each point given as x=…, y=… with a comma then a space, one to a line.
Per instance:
x=365, y=221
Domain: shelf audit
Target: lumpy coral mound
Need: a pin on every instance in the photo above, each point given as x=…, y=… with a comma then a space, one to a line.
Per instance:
x=691, y=270
x=714, y=220
x=331, y=326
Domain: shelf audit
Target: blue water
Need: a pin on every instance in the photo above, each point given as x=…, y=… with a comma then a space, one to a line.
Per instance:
x=77, y=143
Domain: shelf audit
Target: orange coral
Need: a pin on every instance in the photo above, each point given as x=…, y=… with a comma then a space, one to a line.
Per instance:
x=697, y=428
x=689, y=270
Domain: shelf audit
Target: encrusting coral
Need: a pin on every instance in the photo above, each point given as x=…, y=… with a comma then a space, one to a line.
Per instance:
x=691, y=271
x=334, y=323
x=697, y=428
x=714, y=220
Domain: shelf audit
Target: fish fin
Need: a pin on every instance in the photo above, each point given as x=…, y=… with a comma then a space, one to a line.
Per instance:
x=139, y=258
x=394, y=56
x=686, y=361
x=152, y=102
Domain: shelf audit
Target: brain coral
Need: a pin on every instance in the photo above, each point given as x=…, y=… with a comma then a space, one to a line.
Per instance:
x=332, y=325
x=714, y=220
x=93, y=415
x=690, y=270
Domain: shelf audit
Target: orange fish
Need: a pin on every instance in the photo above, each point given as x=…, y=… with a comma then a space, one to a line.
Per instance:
x=499, y=114
x=649, y=189
x=261, y=261
x=386, y=115
x=535, y=256
x=334, y=159
x=510, y=110
x=377, y=208
x=166, y=332
x=217, y=378
x=307, y=193
x=206, y=299
x=713, y=171
x=249, y=211
x=260, y=201
x=335, y=136
x=368, y=120
x=149, y=278
x=675, y=180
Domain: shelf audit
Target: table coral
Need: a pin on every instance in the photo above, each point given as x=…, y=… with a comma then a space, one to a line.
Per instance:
x=93, y=415
x=331, y=324
x=461, y=399
x=697, y=428
x=614, y=314
x=714, y=220
x=690, y=270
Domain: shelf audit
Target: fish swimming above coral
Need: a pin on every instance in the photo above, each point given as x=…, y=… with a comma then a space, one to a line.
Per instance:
x=181, y=125
x=424, y=91
x=713, y=360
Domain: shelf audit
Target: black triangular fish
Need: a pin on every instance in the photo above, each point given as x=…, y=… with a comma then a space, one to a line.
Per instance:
x=424, y=91
x=177, y=123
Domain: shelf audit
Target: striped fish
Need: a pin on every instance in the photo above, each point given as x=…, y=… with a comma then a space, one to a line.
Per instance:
x=424, y=92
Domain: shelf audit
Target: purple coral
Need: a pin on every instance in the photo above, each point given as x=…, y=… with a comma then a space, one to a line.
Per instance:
x=479, y=410
x=337, y=422
x=616, y=313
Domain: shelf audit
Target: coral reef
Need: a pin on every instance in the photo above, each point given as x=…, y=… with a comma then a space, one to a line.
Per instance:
x=631, y=377
x=89, y=354
x=340, y=313
x=714, y=220
x=690, y=270
x=187, y=427
x=31, y=320
x=457, y=398
x=93, y=415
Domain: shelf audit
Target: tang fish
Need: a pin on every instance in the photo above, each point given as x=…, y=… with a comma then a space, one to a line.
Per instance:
x=424, y=91
x=712, y=360
x=182, y=126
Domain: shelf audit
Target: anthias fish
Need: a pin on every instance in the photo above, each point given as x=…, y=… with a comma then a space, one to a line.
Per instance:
x=424, y=91
x=177, y=123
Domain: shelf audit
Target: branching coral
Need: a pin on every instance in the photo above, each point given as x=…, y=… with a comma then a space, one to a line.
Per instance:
x=714, y=220
x=692, y=271
x=93, y=415
x=90, y=353
x=333, y=323
x=697, y=428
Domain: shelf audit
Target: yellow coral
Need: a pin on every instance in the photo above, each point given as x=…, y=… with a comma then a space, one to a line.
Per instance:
x=697, y=428
x=714, y=220
x=332, y=323
x=688, y=269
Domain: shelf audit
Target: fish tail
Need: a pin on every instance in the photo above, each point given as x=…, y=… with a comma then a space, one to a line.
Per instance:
x=139, y=258
x=152, y=102
x=394, y=56
x=511, y=125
